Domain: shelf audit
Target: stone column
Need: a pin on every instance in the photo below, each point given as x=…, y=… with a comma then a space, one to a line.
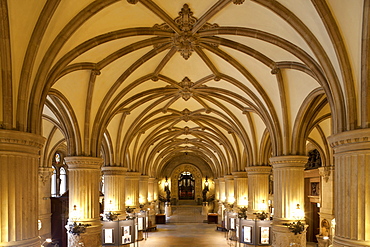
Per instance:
x=229, y=189
x=258, y=188
x=19, y=162
x=151, y=185
x=84, y=180
x=217, y=189
x=352, y=187
x=241, y=188
x=132, y=189
x=44, y=202
x=327, y=198
x=114, y=189
x=143, y=189
x=222, y=189
x=288, y=172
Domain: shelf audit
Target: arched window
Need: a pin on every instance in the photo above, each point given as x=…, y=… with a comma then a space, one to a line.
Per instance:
x=54, y=183
x=63, y=181
x=59, y=179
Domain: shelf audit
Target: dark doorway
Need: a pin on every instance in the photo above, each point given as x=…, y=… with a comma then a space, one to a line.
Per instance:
x=186, y=186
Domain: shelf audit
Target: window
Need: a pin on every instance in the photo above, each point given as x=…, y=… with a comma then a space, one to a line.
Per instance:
x=59, y=179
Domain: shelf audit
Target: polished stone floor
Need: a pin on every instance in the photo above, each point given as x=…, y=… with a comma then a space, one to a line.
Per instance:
x=186, y=234
x=185, y=228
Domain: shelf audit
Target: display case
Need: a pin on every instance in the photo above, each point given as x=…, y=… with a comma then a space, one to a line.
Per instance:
x=120, y=232
x=255, y=232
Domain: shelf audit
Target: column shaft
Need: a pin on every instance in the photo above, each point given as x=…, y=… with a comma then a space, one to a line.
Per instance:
x=132, y=189
x=84, y=179
x=352, y=187
x=19, y=162
x=241, y=188
x=258, y=188
x=288, y=172
x=229, y=189
x=114, y=189
x=143, y=189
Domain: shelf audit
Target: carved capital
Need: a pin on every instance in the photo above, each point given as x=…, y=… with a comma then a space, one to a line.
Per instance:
x=114, y=170
x=350, y=141
x=325, y=172
x=45, y=174
x=83, y=162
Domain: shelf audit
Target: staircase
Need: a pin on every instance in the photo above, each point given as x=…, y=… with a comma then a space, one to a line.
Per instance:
x=187, y=211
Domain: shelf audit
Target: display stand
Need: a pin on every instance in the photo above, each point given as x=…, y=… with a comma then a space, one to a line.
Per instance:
x=254, y=232
x=119, y=233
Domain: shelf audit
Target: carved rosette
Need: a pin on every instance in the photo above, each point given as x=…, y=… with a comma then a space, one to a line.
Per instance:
x=185, y=41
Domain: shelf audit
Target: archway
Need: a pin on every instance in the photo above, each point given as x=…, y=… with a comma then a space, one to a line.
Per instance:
x=186, y=185
x=196, y=177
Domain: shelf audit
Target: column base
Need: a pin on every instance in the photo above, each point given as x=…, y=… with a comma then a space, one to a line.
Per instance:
x=343, y=242
x=282, y=237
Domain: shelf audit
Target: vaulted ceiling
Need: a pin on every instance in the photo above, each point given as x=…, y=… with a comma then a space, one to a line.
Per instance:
x=147, y=82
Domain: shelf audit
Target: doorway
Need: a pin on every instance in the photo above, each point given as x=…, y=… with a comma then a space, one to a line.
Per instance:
x=186, y=183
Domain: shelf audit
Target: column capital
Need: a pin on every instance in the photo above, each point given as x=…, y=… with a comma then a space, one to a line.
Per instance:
x=258, y=170
x=228, y=177
x=21, y=142
x=240, y=174
x=286, y=161
x=133, y=174
x=350, y=141
x=114, y=170
x=83, y=162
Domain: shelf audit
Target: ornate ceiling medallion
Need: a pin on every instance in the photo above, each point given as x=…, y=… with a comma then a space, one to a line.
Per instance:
x=186, y=40
x=186, y=90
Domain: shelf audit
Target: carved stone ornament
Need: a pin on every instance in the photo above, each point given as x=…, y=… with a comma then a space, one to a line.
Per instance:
x=186, y=90
x=238, y=2
x=45, y=175
x=186, y=40
x=324, y=172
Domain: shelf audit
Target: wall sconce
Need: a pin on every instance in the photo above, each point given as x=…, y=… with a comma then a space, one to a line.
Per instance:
x=298, y=213
x=261, y=215
x=166, y=184
x=206, y=184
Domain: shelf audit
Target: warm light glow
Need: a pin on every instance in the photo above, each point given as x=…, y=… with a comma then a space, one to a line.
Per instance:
x=231, y=199
x=325, y=237
x=298, y=213
x=262, y=206
x=243, y=201
x=129, y=202
x=74, y=214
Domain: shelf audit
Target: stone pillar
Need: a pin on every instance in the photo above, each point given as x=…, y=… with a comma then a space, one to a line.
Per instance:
x=114, y=189
x=222, y=189
x=132, y=189
x=241, y=188
x=229, y=189
x=19, y=162
x=84, y=180
x=151, y=185
x=217, y=189
x=258, y=188
x=44, y=202
x=288, y=172
x=143, y=189
x=327, y=199
x=352, y=187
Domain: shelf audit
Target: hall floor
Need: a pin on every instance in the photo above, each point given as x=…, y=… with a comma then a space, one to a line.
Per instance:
x=185, y=228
